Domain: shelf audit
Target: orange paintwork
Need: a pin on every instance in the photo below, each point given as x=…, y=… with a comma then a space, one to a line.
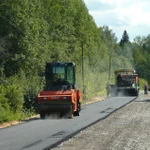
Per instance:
x=72, y=95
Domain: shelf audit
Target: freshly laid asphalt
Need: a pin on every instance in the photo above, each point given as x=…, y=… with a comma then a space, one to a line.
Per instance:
x=38, y=134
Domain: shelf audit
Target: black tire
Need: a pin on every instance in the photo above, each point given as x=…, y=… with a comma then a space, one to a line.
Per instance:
x=42, y=114
x=79, y=106
x=70, y=112
x=77, y=113
x=137, y=93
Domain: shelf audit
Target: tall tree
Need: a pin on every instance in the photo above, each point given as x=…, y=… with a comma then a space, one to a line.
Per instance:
x=125, y=38
x=141, y=55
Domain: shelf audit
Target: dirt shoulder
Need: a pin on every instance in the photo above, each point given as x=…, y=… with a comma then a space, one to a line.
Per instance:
x=127, y=128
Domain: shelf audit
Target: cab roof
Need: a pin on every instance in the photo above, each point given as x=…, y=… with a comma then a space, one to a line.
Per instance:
x=124, y=71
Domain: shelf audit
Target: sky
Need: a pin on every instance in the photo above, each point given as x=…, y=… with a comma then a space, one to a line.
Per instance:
x=119, y=15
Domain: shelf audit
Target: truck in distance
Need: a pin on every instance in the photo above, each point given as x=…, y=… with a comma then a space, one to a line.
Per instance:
x=126, y=82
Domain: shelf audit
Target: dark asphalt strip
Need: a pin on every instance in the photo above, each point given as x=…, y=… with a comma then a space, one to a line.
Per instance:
x=66, y=137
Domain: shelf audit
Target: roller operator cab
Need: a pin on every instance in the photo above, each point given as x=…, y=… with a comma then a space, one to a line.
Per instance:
x=60, y=93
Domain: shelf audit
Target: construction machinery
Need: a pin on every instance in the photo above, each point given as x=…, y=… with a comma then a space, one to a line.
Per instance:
x=60, y=94
x=126, y=83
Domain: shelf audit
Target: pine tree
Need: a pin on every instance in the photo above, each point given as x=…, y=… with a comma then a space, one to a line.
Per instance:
x=124, y=39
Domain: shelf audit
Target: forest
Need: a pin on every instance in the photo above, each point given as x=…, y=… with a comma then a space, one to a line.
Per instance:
x=33, y=32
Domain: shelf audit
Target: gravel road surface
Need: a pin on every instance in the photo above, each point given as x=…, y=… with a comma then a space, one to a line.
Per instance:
x=126, y=129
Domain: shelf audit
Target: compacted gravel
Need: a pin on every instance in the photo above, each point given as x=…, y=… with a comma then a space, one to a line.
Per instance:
x=126, y=129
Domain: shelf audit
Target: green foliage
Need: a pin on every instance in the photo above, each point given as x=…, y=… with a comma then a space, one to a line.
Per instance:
x=15, y=95
x=141, y=56
x=142, y=82
x=4, y=104
x=31, y=92
x=35, y=32
x=7, y=112
x=4, y=115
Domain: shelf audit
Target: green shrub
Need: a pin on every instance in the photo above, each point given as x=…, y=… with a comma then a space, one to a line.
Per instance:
x=4, y=115
x=142, y=82
x=4, y=103
x=7, y=115
x=15, y=97
x=33, y=85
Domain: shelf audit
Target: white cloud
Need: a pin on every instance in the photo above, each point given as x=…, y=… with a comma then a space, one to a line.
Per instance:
x=120, y=15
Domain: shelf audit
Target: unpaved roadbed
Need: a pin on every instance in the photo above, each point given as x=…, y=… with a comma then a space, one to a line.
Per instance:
x=127, y=128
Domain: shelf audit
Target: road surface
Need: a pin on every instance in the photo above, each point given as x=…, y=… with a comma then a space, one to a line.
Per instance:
x=40, y=134
x=126, y=129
